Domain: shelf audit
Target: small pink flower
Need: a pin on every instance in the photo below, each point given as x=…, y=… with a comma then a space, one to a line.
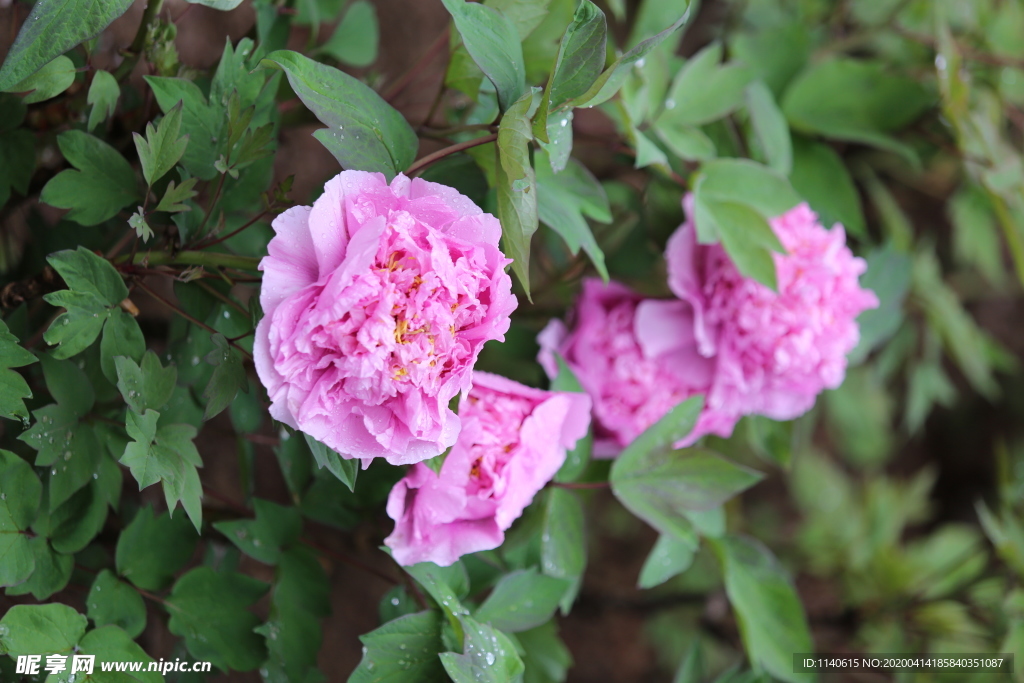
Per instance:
x=635, y=357
x=514, y=439
x=774, y=352
x=377, y=301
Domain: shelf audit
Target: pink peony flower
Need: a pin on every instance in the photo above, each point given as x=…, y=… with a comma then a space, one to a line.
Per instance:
x=377, y=302
x=514, y=438
x=774, y=352
x=636, y=358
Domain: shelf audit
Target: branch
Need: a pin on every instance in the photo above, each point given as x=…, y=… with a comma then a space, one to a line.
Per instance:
x=195, y=258
x=421, y=164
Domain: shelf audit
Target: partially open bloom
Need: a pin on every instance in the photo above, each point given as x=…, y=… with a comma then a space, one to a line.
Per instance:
x=377, y=301
x=513, y=440
x=635, y=357
x=774, y=351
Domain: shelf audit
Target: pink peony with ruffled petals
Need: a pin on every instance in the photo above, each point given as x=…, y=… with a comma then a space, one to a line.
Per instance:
x=635, y=357
x=377, y=301
x=514, y=439
x=774, y=351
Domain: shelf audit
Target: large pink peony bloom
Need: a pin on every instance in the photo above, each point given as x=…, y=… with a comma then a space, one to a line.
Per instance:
x=774, y=352
x=636, y=358
x=514, y=438
x=377, y=301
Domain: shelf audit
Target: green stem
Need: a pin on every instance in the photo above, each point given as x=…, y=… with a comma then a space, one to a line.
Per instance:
x=210, y=259
x=139, y=43
x=1013, y=240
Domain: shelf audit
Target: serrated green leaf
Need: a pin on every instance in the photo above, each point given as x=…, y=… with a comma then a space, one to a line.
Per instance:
x=122, y=336
x=770, y=127
x=41, y=629
x=73, y=465
x=227, y=379
x=84, y=271
x=77, y=328
x=203, y=122
x=345, y=469
x=13, y=387
x=112, y=601
x=161, y=148
x=490, y=657
x=275, y=528
x=146, y=386
x=49, y=81
x=17, y=513
x=52, y=29
x=175, y=196
x=103, y=95
x=517, y=186
x=493, y=42
x=364, y=132
x=68, y=384
x=769, y=613
x=354, y=41
x=101, y=184
x=51, y=573
x=522, y=600
x=151, y=549
x=209, y=610
x=402, y=651
x=563, y=199
x=671, y=555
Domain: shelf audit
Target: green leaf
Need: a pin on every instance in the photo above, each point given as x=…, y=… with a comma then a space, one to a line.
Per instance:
x=122, y=337
x=490, y=656
x=345, y=469
x=52, y=29
x=103, y=95
x=275, y=528
x=137, y=222
x=493, y=42
x=17, y=513
x=202, y=122
x=161, y=148
x=703, y=91
x=776, y=53
x=686, y=142
x=525, y=15
x=546, y=658
x=888, y=276
x=49, y=81
x=84, y=271
x=222, y=5
x=517, y=186
x=672, y=554
x=13, y=387
x=40, y=629
x=562, y=201
x=111, y=601
x=51, y=574
x=746, y=236
x=746, y=182
x=152, y=549
x=820, y=176
x=17, y=161
x=855, y=100
x=77, y=460
x=69, y=385
x=166, y=455
x=402, y=651
x=563, y=541
x=581, y=55
x=302, y=581
x=354, y=41
x=111, y=644
x=145, y=387
x=175, y=196
x=443, y=584
x=659, y=486
x=364, y=132
x=101, y=184
x=577, y=459
x=612, y=78
x=770, y=127
x=691, y=669
x=769, y=613
x=227, y=379
x=77, y=328
x=208, y=610
x=522, y=600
